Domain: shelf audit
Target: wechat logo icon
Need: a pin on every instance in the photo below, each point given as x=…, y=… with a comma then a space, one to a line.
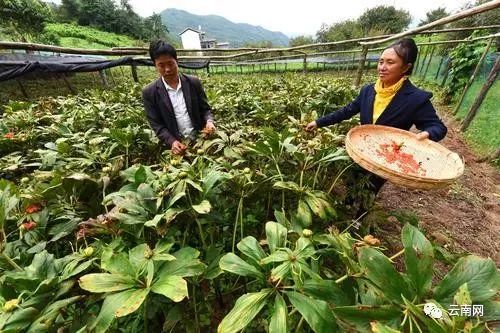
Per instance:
x=433, y=311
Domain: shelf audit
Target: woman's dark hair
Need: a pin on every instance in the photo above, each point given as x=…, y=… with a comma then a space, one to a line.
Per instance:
x=407, y=50
x=160, y=47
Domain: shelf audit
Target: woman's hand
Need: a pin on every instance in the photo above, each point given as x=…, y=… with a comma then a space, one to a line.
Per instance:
x=311, y=126
x=423, y=135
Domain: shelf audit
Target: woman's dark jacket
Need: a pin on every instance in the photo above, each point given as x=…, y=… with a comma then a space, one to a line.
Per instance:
x=410, y=106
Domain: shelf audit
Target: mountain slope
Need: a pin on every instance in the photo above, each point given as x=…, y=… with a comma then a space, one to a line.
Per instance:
x=220, y=28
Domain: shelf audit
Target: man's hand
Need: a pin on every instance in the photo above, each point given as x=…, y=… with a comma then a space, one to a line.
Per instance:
x=209, y=128
x=178, y=148
x=311, y=126
x=423, y=135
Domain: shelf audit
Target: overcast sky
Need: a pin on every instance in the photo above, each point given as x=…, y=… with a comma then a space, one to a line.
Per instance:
x=290, y=17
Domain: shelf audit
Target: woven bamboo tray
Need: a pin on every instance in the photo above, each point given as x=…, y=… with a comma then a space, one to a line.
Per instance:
x=399, y=157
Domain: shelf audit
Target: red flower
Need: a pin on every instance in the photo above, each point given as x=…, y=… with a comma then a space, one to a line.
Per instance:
x=33, y=208
x=30, y=225
x=9, y=135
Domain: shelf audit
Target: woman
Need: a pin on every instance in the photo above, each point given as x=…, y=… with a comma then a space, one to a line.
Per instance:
x=392, y=101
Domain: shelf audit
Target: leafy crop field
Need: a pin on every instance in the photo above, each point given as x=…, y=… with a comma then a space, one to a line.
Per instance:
x=101, y=229
x=71, y=35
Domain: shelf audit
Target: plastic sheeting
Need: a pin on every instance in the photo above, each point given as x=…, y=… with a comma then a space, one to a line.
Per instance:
x=15, y=65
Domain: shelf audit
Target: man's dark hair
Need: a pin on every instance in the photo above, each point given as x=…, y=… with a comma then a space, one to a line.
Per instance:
x=407, y=50
x=160, y=47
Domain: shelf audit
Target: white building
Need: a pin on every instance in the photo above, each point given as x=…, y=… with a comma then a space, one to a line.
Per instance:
x=195, y=39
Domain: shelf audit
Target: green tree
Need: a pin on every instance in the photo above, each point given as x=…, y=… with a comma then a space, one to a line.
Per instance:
x=154, y=27
x=264, y=44
x=385, y=19
x=301, y=40
x=24, y=19
x=434, y=15
x=70, y=10
x=348, y=29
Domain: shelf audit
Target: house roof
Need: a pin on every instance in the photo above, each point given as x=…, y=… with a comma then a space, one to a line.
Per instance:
x=195, y=30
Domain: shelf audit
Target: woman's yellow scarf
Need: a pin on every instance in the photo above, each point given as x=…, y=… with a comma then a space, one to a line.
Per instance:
x=384, y=96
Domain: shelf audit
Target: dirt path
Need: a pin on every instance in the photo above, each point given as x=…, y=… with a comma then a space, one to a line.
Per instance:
x=465, y=216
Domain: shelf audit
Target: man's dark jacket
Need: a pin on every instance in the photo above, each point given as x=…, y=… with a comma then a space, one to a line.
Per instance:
x=160, y=112
x=410, y=106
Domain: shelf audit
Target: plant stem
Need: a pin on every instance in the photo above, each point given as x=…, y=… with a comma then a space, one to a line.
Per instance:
x=299, y=326
x=338, y=176
x=195, y=310
x=342, y=278
x=397, y=254
x=11, y=262
x=238, y=213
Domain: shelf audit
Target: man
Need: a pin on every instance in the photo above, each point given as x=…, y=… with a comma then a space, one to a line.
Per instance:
x=175, y=104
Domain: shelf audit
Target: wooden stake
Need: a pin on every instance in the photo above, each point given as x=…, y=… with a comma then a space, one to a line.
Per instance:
x=479, y=99
x=104, y=80
x=71, y=87
x=25, y=94
x=430, y=59
x=361, y=66
x=439, y=68
x=472, y=77
x=134, y=73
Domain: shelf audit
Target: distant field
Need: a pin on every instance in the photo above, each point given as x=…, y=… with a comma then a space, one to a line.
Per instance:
x=71, y=35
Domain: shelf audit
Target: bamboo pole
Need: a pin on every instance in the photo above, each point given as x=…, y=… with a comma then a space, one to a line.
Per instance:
x=439, y=68
x=104, y=80
x=452, y=18
x=472, y=77
x=133, y=68
x=430, y=59
x=70, y=86
x=479, y=99
x=361, y=66
x=23, y=91
x=305, y=63
x=424, y=60
x=446, y=73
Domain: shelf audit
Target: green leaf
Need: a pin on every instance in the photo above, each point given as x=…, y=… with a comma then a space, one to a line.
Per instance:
x=480, y=275
x=462, y=297
x=278, y=322
x=18, y=320
x=276, y=235
x=116, y=262
x=361, y=315
x=137, y=256
x=173, y=287
x=250, y=247
x=230, y=262
x=107, y=314
x=319, y=205
x=380, y=271
x=104, y=282
x=419, y=259
x=49, y=314
x=315, y=312
x=291, y=186
x=304, y=214
x=326, y=290
x=186, y=264
x=381, y=328
x=203, y=207
x=133, y=302
x=277, y=256
x=281, y=271
x=244, y=311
